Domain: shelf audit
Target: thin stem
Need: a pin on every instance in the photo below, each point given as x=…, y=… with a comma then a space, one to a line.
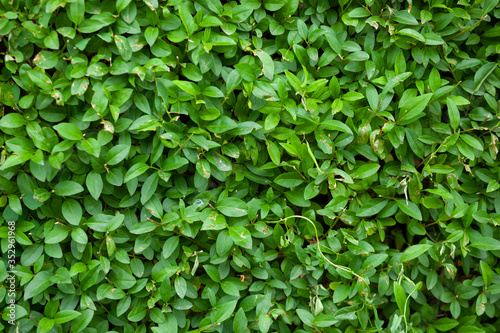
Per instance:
x=449, y=66
x=209, y=327
x=312, y=156
x=335, y=222
x=345, y=269
x=184, y=144
x=428, y=159
x=466, y=30
x=496, y=127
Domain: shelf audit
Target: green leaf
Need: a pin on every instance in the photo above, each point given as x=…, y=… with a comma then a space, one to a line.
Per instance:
x=359, y=12
x=121, y=5
x=174, y=162
x=115, y=176
x=414, y=251
x=267, y=64
x=433, y=39
x=493, y=185
x=38, y=285
x=293, y=81
x=273, y=5
x=485, y=243
x=15, y=204
x=170, y=246
x=26, y=101
x=72, y=211
x=324, y=320
x=333, y=41
x=149, y=187
x=76, y=11
x=142, y=227
x=209, y=114
x=394, y=82
x=122, y=45
x=56, y=235
x=472, y=141
x=288, y=9
x=212, y=272
x=272, y=120
x=404, y=17
x=413, y=108
x=352, y=96
x=218, y=40
x=203, y=168
x=466, y=149
x=188, y=87
x=81, y=322
x=306, y=317
x=372, y=207
x=231, y=150
x=366, y=170
x=41, y=80
x=399, y=294
x=482, y=74
x=411, y=33
x=221, y=125
x=31, y=254
x=224, y=311
x=311, y=191
x=340, y=293
x=67, y=188
x=358, y=56
x=434, y=80
x=372, y=97
x=265, y=322
x=180, y=286
x=374, y=260
x=94, y=184
x=52, y=40
x=187, y=19
x=240, y=321
x=230, y=288
x=445, y=324
x=117, y=154
x=151, y=34
x=335, y=125
x=79, y=236
x=488, y=6
x=135, y=171
x=137, y=314
x=232, y=81
x=65, y=316
x=289, y=180
x=12, y=120
x=246, y=72
x=241, y=236
x=443, y=169
x=486, y=272
x=91, y=146
x=45, y=325
x=409, y=208
x=233, y=207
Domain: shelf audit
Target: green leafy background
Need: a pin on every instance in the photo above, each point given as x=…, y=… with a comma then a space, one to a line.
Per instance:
x=253, y=166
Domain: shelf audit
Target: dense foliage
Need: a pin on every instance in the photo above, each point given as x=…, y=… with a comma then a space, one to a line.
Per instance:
x=253, y=166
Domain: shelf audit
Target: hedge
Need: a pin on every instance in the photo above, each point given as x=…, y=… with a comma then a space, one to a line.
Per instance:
x=253, y=166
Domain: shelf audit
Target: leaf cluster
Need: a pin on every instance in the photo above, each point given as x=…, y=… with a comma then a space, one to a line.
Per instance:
x=251, y=166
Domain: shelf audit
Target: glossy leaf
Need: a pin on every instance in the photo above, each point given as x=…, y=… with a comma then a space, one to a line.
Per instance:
x=414, y=251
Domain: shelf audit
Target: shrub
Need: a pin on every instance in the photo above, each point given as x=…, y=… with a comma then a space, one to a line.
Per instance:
x=268, y=166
